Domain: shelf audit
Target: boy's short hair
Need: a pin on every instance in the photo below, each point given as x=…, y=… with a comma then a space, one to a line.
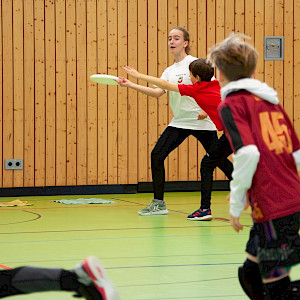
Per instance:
x=234, y=57
x=202, y=68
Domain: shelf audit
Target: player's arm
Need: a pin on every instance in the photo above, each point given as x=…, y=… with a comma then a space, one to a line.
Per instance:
x=153, y=92
x=163, y=84
x=245, y=160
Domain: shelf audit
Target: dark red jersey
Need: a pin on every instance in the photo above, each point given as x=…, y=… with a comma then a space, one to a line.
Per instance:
x=207, y=95
x=249, y=120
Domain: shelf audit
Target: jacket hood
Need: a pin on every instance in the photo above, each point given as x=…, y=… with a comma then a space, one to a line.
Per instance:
x=253, y=86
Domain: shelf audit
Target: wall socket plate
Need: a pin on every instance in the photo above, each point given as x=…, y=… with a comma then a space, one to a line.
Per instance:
x=13, y=164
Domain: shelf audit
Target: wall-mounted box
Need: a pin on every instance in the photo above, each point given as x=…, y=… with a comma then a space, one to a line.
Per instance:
x=273, y=48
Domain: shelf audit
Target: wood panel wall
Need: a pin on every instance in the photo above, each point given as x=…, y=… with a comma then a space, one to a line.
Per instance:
x=70, y=131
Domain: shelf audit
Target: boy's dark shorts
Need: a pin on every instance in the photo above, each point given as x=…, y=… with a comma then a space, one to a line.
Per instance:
x=276, y=245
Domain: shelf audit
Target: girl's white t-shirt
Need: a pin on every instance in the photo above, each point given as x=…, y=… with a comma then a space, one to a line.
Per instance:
x=185, y=109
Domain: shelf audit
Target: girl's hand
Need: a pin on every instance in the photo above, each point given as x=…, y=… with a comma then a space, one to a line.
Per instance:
x=131, y=71
x=123, y=81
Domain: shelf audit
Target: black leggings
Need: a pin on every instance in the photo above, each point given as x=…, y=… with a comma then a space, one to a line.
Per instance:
x=6, y=289
x=216, y=157
x=26, y=280
x=170, y=139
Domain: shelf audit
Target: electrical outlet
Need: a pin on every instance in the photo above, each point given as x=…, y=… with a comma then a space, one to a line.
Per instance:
x=13, y=164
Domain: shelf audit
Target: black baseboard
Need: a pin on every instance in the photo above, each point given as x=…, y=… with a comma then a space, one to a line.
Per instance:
x=183, y=186
x=141, y=187
x=69, y=190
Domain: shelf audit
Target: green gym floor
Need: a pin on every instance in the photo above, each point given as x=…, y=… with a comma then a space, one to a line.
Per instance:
x=147, y=257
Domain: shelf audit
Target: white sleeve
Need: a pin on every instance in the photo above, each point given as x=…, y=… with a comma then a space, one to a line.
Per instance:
x=296, y=156
x=244, y=167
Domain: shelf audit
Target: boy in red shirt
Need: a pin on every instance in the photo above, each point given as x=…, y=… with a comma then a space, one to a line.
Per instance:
x=266, y=163
x=206, y=93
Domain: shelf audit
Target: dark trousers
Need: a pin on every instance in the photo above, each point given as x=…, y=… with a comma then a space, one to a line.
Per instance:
x=170, y=139
x=26, y=280
x=216, y=157
x=6, y=289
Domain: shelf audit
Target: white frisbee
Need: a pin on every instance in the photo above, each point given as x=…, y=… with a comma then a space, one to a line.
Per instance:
x=104, y=79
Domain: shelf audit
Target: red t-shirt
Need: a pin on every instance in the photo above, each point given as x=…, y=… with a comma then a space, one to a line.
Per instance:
x=207, y=95
x=249, y=120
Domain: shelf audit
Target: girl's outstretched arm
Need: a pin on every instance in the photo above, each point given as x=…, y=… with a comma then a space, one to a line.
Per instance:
x=149, y=91
x=154, y=80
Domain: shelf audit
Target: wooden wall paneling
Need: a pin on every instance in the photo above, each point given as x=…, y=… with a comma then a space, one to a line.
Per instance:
x=249, y=20
x=193, y=164
x=239, y=17
x=152, y=70
x=182, y=13
x=7, y=86
x=102, y=56
x=29, y=141
x=172, y=21
x=122, y=94
x=50, y=91
x=278, y=64
x=220, y=30
x=220, y=20
x=202, y=52
x=84, y=96
x=162, y=46
x=18, y=92
x=259, y=34
x=173, y=171
x=61, y=94
x=1, y=98
x=92, y=113
x=132, y=94
x=39, y=26
x=229, y=16
x=71, y=92
x=183, y=150
x=211, y=24
x=7, y=89
x=142, y=99
x=192, y=26
x=202, y=28
x=296, y=67
x=112, y=93
x=288, y=63
x=269, y=31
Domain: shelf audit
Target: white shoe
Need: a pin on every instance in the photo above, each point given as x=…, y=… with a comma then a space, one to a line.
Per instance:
x=95, y=285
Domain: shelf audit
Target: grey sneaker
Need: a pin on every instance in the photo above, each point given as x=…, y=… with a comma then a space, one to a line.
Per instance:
x=94, y=283
x=154, y=208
